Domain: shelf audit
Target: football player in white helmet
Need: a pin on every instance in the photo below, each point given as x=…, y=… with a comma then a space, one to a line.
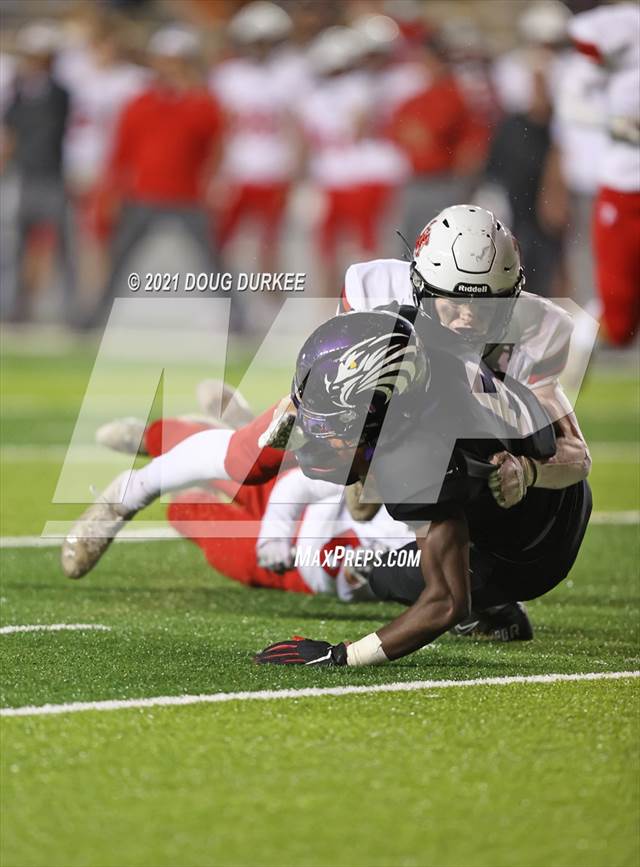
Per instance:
x=463, y=256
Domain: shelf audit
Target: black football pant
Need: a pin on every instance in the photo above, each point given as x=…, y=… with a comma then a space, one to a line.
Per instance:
x=495, y=580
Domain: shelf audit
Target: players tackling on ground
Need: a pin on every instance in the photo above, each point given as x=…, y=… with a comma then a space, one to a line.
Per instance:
x=371, y=399
x=463, y=256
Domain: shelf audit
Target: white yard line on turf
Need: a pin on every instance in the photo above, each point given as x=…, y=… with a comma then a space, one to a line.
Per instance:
x=620, y=518
x=159, y=534
x=152, y=534
x=19, y=453
x=306, y=692
x=53, y=627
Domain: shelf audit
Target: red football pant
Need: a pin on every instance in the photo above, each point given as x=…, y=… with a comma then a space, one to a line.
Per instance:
x=245, y=462
x=233, y=556
x=264, y=203
x=358, y=209
x=616, y=234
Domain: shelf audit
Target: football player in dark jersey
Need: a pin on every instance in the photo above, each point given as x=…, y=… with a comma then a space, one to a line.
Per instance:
x=466, y=276
x=406, y=405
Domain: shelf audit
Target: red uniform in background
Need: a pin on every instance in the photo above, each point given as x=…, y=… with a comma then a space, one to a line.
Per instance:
x=437, y=131
x=610, y=36
x=616, y=235
x=260, y=157
x=164, y=144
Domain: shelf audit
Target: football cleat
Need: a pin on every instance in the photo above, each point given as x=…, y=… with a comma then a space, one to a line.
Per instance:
x=94, y=531
x=123, y=435
x=219, y=400
x=508, y=622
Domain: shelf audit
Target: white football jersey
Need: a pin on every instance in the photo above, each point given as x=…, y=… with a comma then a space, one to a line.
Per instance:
x=98, y=96
x=613, y=33
x=326, y=525
x=313, y=515
x=540, y=331
x=256, y=98
x=331, y=117
x=579, y=121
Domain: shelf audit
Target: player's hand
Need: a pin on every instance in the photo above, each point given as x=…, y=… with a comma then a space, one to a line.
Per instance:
x=508, y=483
x=282, y=432
x=275, y=554
x=352, y=582
x=303, y=651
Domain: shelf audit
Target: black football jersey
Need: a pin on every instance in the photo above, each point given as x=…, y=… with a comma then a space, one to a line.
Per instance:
x=441, y=462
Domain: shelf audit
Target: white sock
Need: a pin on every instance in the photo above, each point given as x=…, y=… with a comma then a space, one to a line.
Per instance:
x=198, y=458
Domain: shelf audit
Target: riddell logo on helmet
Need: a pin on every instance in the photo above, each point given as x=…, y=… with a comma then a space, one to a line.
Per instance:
x=471, y=289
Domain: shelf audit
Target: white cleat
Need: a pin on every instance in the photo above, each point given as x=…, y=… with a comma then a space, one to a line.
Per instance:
x=95, y=530
x=219, y=400
x=123, y=435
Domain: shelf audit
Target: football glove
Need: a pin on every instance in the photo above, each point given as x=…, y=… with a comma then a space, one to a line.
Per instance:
x=303, y=651
x=275, y=554
x=282, y=433
x=352, y=582
x=508, y=483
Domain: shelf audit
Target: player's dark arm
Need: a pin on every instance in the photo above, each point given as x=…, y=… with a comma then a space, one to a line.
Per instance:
x=444, y=560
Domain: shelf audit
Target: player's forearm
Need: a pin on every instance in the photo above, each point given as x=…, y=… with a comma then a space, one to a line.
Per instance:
x=290, y=496
x=426, y=620
x=444, y=602
x=572, y=461
x=570, y=464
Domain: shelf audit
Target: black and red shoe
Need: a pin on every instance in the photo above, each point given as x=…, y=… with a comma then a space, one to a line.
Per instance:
x=508, y=622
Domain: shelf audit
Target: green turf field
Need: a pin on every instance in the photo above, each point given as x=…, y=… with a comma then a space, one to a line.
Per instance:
x=520, y=774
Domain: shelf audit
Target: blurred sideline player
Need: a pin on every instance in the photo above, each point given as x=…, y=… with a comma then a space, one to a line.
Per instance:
x=166, y=147
x=260, y=155
x=290, y=510
x=354, y=171
x=253, y=454
x=441, y=136
x=100, y=82
x=382, y=167
x=610, y=36
x=31, y=140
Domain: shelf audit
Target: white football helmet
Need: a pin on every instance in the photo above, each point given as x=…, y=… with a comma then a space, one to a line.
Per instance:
x=335, y=49
x=39, y=38
x=465, y=252
x=545, y=22
x=261, y=21
x=381, y=32
x=174, y=42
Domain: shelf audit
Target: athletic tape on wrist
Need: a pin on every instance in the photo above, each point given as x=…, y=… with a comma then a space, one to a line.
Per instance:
x=366, y=651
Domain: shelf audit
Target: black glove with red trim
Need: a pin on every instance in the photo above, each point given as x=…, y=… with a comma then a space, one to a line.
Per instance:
x=303, y=651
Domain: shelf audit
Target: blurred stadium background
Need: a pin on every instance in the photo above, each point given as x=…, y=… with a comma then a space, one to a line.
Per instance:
x=324, y=126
